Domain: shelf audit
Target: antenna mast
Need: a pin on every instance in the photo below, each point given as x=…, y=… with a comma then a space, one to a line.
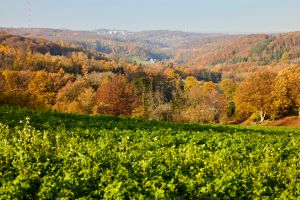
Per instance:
x=29, y=13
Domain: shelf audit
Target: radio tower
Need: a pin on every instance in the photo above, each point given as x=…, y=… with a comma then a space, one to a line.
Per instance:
x=29, y=13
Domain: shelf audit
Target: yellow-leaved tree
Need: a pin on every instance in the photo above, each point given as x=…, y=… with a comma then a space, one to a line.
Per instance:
x=287, y=90
x=75, y=97
x=229, y=88
x=41, y=96
x=190, y=81
x=2, y=85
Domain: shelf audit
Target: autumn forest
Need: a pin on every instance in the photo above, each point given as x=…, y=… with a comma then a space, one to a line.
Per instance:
x=226, y=79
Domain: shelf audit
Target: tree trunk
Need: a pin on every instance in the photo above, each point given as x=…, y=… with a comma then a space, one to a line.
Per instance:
x=262, y=115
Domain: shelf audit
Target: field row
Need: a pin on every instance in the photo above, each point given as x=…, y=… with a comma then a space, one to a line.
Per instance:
x=161, y=160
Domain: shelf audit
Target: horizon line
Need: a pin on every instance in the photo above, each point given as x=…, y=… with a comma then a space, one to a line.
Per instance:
x=148, y=30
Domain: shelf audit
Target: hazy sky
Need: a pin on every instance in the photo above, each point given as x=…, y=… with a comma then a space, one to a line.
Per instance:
x=227, y=16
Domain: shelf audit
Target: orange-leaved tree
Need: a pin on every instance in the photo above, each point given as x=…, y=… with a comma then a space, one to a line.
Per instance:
x=116, y=97
x=16, y=83
x=254, y=95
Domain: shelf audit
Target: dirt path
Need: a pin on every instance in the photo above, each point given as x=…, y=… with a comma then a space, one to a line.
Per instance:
x=287, y=121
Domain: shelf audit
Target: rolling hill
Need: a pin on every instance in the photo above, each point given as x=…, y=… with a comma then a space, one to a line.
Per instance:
x=191, y=49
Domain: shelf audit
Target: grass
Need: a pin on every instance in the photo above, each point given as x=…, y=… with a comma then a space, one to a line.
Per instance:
x=43, y=120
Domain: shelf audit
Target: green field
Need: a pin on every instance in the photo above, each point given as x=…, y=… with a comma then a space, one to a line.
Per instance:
x=52, y=155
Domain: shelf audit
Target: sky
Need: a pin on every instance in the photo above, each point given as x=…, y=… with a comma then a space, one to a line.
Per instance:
x=206, y=16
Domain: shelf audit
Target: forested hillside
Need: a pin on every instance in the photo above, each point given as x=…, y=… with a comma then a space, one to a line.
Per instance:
x=65, y=76
x=192, y=49
x=257, y=49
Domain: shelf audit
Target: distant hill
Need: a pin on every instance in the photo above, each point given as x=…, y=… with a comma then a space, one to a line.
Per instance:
x=40, y=45
x=184, y=48
x=146, y=45
x=261, y=49
x=164, y=38
x=24, y=53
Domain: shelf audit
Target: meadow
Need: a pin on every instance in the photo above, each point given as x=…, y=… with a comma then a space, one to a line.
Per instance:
x=51, y=155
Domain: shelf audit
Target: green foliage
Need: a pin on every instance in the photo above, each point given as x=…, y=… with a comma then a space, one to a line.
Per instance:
x=261, y=47
x=136, y=59
x=52, y=155
x=284, y=57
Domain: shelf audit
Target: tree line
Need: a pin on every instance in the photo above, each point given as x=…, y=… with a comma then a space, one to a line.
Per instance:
x=262, y=95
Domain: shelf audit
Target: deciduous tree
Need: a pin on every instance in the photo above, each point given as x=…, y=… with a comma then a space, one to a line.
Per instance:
x=116, y=97
x=287, y=90
x=75, y=97
x=15, y=90
x=254, y=95
x=190, y=81
x=39, y=89
x=228, y=87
